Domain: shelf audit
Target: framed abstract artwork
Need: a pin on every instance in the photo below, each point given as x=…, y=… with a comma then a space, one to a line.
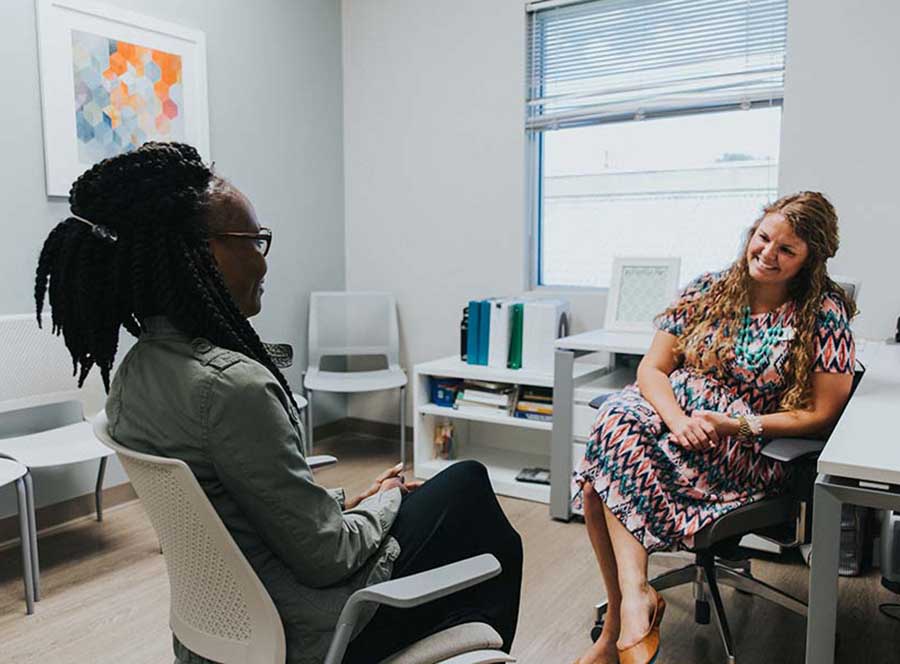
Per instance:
x=641, y=289
x=112, y=80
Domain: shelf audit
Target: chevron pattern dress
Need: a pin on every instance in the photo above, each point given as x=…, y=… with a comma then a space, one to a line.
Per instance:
x=664, y=493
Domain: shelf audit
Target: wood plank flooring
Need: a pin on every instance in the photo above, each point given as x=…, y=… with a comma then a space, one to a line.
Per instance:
x=105, y=593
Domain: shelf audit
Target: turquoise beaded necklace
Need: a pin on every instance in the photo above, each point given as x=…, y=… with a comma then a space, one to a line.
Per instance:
x=754, y=359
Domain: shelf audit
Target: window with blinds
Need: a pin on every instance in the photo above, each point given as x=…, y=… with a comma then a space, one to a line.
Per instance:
x=654, y=129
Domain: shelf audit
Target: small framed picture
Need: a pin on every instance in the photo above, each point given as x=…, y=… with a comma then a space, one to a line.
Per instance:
x=112, y=80
x=641, y=289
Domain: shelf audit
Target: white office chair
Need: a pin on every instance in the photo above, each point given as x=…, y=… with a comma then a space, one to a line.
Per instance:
x=354, y=324
x=42, y=422
x=221, y=610
x=12, y=472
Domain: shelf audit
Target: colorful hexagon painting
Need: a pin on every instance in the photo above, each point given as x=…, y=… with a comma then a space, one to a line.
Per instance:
x=125, y=95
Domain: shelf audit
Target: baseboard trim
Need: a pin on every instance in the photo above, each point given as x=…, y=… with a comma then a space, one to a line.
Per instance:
x=386, y=430
x=52, y=517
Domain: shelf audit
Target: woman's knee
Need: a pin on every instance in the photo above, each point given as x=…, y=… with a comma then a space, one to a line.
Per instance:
x=593, y=503
x=468, y=477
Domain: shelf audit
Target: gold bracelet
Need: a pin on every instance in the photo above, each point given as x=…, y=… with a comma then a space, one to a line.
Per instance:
x=744, y=430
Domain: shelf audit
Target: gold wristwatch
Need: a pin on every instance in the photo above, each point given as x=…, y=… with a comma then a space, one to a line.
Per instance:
x=749, y=426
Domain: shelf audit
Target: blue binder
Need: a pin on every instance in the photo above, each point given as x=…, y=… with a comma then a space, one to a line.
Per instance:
x=474, y=334
x=484, y=332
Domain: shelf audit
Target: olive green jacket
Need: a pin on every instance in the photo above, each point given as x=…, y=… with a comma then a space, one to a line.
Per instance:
x=230, y=420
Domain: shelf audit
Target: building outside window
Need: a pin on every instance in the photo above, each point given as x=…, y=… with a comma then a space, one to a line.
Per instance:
x=654, y=128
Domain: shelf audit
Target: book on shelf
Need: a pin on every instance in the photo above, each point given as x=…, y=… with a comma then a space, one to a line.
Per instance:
x=534, y=393
x=464, y=405
x=534, y=407
x=536, y=417
x=487, y=385
x=502, y=399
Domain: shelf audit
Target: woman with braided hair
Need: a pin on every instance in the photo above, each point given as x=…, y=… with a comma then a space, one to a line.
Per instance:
x=159, y=244
x=762, y=349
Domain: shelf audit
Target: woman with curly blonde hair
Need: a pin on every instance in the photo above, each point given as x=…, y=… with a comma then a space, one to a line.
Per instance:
x=762, y=349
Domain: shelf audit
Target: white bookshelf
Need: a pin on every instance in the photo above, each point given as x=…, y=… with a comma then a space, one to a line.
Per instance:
x=503, y=461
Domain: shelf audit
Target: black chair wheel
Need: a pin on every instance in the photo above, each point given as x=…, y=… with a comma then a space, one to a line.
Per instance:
x=595, y=631
x=701, y=612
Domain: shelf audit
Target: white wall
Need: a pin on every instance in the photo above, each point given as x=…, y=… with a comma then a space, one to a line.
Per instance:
x=434, y=164
x=841, y=136
x=275, y=118
x=434, y=153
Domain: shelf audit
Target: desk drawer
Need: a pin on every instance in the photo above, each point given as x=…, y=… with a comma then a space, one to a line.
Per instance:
x=582, y=421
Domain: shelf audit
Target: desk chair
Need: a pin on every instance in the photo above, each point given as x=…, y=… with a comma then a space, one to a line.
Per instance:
x=221, y=610
x=718, y=558
x=352, y=324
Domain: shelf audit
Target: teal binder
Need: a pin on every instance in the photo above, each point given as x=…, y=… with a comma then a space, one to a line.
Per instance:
x=474, y=333
x=484, y=331
x=515, y=336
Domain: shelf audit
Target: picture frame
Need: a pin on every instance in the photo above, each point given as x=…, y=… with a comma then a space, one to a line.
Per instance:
x=641, y=288
x=111, y=80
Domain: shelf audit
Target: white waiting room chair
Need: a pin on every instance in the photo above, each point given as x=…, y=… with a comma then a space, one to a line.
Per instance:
x=14, y=473
x=221, y=610
x=354, y=324
x=42, y=412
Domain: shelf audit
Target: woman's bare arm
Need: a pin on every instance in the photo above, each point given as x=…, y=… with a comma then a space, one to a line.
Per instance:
x=830, y=392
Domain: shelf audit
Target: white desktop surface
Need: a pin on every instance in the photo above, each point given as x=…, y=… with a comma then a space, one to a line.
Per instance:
x=609, y=341
x=865, y=444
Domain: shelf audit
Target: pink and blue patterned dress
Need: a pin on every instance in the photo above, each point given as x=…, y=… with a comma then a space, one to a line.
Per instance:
x=664, y=493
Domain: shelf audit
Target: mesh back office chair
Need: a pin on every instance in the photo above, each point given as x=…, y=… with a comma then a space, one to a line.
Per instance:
x=220, y=609
x=351, y=324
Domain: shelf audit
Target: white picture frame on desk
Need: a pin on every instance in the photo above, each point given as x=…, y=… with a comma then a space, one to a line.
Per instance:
x=642, y=287
x=112, y=80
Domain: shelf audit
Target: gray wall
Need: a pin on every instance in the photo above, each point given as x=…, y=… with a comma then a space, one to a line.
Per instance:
x=274, y=70
x=434, y=155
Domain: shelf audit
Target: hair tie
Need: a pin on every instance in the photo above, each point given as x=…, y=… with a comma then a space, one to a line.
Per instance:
x=108, y=235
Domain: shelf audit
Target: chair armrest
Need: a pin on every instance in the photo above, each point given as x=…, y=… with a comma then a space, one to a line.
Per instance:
x=791, y=449
x=597, y=401
x=320, y=460
x=410, y=591
x=416, y=589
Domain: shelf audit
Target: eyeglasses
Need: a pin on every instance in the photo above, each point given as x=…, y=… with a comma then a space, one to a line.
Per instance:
x=262, y=240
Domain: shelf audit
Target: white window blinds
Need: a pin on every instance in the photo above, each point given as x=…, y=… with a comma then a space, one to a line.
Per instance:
x=612, y=60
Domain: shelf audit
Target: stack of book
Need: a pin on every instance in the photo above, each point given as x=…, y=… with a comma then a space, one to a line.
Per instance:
x=484, y=396
x=535, y=403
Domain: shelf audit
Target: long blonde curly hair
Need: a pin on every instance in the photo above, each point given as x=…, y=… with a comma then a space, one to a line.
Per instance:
x=814, y=220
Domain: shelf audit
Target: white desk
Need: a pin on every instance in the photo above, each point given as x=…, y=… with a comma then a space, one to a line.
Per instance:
x=567, y=349
x=860, y=465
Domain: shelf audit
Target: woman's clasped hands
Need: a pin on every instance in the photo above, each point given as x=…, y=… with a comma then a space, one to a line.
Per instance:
x=703, y=429
x=392, y=478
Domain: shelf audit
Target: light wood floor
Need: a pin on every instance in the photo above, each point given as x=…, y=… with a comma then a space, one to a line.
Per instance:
x=106, y=593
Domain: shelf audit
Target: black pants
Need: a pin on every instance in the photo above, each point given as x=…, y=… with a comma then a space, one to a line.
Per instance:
x=453, y=516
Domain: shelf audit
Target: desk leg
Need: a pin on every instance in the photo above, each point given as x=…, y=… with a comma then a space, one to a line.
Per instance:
x=561, y=438
x=823, y=579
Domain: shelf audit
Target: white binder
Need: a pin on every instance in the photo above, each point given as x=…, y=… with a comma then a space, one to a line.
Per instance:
x=543, y=322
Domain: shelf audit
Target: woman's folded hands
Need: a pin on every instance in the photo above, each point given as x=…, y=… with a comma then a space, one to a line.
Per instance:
x=392, y=478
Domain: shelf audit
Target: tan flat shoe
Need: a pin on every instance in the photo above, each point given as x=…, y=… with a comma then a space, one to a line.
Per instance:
x=646, y=649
